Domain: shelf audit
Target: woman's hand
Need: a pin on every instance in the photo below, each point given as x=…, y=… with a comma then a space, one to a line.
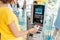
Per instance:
x=33, y=30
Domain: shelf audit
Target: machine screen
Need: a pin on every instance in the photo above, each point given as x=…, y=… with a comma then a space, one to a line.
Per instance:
x=38, y=10
x=38, y=14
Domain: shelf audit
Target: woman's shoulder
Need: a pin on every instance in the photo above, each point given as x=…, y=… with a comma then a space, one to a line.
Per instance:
x=6, y=11
x=5, y=8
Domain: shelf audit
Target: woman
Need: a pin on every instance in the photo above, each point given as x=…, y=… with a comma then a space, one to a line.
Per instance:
x=9, y=27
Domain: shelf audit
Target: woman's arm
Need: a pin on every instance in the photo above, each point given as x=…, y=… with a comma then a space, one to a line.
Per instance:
x=14, y=29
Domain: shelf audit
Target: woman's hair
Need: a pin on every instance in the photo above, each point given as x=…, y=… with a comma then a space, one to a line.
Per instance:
x=6, y=1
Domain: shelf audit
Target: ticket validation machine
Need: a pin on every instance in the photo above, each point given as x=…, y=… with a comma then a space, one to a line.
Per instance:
x=37, y=18
x=38, y=14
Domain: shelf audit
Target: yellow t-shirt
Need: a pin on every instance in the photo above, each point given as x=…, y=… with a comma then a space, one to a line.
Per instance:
x=6, y=17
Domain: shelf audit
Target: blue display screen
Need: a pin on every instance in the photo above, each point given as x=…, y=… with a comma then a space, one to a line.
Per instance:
x=38, y=14
x=38, y=10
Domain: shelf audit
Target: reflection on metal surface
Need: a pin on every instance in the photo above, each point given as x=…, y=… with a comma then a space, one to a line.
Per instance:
x=50, y=14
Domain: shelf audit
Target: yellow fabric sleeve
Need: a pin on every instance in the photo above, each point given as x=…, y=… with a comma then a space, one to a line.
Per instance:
x=10, y=17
